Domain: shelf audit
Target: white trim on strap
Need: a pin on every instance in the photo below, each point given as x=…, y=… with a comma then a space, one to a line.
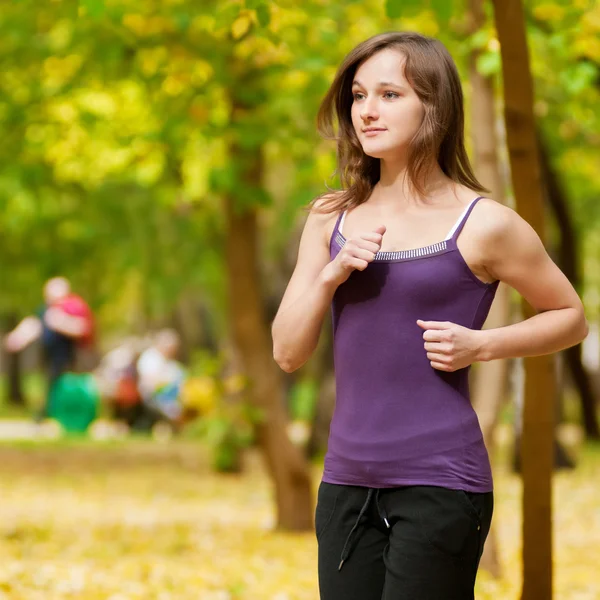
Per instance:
x=342, y=221
x=460, y=220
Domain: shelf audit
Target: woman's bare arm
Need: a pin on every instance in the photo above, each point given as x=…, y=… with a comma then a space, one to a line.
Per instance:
x=297, y=325
x=517, y=256
x=513, y=253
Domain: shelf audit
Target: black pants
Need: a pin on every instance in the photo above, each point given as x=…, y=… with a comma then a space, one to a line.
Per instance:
x=407, y=543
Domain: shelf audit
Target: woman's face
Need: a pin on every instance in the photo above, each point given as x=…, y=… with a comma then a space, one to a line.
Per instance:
x=386, y=103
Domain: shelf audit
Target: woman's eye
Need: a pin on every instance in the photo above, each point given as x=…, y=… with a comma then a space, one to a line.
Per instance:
x=387, y=95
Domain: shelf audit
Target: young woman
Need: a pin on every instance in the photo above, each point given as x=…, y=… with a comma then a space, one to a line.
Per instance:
x=410, y=255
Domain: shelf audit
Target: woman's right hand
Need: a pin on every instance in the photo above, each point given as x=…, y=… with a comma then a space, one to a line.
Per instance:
x=356, y=254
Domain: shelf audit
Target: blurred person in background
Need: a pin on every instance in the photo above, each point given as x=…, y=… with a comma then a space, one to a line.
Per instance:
x=118, y=381
x=160, y=377
x=64, y=324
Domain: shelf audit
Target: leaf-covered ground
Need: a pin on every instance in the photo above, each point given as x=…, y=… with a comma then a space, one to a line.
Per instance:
x=140, y=520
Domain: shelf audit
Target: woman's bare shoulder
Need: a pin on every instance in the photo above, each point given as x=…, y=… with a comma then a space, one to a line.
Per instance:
x=501, y=231
x=322, y=216
x=494, y=218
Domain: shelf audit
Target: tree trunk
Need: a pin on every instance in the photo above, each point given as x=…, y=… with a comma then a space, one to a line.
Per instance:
x=538, y=413
x=582, y=382
x=569, y=263
x=324, y=374
x=562, y=460
x=188, y=319
x=286, y=464
x=489, y=394
x=489, y=380
x=13, y=372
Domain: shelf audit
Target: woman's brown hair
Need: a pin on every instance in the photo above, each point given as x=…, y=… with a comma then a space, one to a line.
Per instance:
x=431, y=72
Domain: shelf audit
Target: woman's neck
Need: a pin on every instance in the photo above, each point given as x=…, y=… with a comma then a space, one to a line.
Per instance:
x=394, y=185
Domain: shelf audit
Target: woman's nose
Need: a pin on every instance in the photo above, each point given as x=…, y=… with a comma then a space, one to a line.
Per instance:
x=369, y=110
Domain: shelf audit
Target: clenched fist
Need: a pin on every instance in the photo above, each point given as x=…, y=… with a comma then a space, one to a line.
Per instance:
x=356, y=254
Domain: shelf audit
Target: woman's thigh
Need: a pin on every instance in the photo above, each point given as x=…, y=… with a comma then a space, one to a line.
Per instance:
x=436, y=541
x=362, y=575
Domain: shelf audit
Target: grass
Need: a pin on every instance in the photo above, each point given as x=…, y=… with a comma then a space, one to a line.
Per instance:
x=134, y=519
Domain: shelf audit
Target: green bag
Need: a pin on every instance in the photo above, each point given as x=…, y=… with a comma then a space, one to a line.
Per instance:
x=74, y=401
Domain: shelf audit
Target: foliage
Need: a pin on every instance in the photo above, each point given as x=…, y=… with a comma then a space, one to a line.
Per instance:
x=225, y=418
x=120, y=123
x=303, y=399
x=133, y=520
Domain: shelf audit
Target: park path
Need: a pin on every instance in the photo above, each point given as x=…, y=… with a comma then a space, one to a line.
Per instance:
x=18, y=429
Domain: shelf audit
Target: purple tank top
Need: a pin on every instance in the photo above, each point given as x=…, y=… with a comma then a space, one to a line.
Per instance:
x=397, y=420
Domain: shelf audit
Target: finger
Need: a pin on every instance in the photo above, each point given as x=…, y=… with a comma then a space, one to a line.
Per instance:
x=366, y=245
x=363, y=254
x=434, y=324
x=437, y=347
x=381, y=229
x=441, y=366
x=375, y=238
x=354, y=259
x=433, y=335
x=359, y=264
x=437, y=357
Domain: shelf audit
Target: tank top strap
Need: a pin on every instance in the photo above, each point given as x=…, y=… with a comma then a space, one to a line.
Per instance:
x=453, y=235
x=336, y=228
x=338, y=222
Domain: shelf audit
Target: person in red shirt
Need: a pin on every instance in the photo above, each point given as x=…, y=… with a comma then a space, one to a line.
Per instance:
x=64, y=323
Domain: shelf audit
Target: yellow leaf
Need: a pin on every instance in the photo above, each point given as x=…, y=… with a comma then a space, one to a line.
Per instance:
x=591, y=20
x=241, y=26
x=549, y=12
x=135, y=22
x=589, y=46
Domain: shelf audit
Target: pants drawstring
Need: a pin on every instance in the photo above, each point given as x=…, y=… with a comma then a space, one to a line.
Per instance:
x=348, y=546
x=381, y=510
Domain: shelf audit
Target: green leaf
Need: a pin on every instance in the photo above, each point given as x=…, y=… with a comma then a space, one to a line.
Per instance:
x=182, y=20
x=223, y=179
x=579, y=77
x=312, y=63
x=395, y=9
x=250, y=198
x=264, y=15
x=225, y=17
x=489, y=63
x=303, y=399
x=479, y=39
x=443, y=9
x=94, y=8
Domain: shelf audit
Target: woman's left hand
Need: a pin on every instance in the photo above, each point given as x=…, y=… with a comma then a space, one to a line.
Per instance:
x=450, y=346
